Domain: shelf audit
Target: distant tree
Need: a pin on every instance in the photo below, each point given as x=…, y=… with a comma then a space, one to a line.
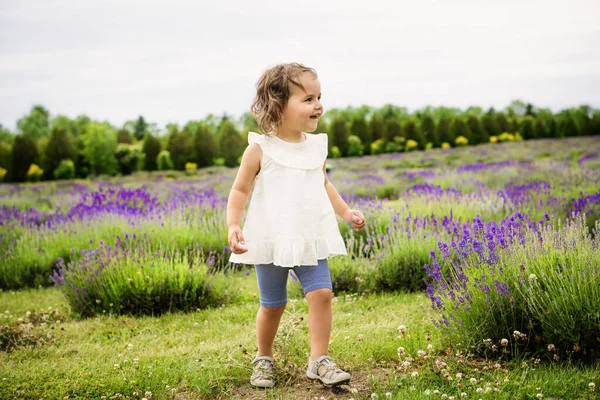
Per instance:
x=568, y=126
x=140, y=128
x=478, y=134
x=583, y=116
x=339, y=133
x=231, y=144
x=596, y=123
x=163, y=161
x=429, y=131
x=503, y=123
x=65, y=123
x=355, y=146
x=82, y=166
x=60, y=147
x=359, y=128
x=490, y=125
x=151, y=148
x=180, y=149
x=123, y=136
x=6, y=136
x=99, y=145
x=517, y=108
x=130, y=157
x=24, y=153
x=36, y=124
x=527, y=128
x=205, y=147
x=413, y=132
x=459, y=127
x=530, y=110
x=541, y=131
x=393, y=129
x=249, y=123
x=444, y=132
x=5, y=159
x=377, y=126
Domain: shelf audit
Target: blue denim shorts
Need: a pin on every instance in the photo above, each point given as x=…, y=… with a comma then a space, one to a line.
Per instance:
x=272, y=281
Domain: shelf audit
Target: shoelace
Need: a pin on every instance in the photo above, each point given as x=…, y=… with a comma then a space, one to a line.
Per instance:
x=330, y=368
x=263, y=369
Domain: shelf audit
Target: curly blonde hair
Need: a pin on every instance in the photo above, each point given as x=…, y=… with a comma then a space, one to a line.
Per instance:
x=273, y=92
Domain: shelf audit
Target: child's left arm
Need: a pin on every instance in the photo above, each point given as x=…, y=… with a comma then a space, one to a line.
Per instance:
x=354, y=217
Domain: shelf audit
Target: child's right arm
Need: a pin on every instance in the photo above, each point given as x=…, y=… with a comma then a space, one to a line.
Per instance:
x=242, y=186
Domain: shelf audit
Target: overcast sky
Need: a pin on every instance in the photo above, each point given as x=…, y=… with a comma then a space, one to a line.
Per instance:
x=174, y=61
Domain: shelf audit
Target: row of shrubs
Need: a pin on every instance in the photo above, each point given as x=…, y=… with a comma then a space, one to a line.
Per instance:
x=100, y=148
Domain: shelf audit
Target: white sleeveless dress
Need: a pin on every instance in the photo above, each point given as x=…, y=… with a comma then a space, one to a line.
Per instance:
x=290, y=220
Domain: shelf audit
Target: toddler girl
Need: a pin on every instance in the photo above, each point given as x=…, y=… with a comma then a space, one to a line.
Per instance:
x=291, y=222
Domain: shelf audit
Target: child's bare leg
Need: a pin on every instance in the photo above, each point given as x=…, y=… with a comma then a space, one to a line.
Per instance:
x=267, y=322
x=319, y=321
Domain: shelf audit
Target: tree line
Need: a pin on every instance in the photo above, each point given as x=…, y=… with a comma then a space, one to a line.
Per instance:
x=59, y=147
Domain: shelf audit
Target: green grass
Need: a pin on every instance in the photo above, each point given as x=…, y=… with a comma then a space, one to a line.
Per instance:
x=207, y=354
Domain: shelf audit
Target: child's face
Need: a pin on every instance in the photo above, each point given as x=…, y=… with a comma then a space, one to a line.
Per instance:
x=304, y=108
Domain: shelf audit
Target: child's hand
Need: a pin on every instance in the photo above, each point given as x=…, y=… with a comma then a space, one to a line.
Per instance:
x=356, y=218
x=236, y=240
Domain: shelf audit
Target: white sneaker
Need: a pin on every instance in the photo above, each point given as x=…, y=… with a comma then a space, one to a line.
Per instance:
x=263, y=372
x=327, y=372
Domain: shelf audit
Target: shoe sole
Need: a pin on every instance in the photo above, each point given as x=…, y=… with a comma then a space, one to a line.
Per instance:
x=267, y=386
x=314, y=377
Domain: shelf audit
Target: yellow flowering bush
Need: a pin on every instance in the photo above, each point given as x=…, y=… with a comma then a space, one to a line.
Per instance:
x=2, y=174
x=446, y=145
x=461, y=141
x=335, y=152
x=411, y=145
x=493, y=139
x=34, y=173
x=190, y=166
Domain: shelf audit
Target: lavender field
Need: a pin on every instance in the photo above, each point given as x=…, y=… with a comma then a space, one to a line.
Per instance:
x=502, y=239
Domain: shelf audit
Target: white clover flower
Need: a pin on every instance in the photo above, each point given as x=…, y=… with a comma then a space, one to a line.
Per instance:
x=148, y=395
x=479, y=390
x=354, y=390
x=360, y=338
x=473, y=381
x=406, y=364
x=374, y=395
x=421, y=353
x=592, y=386
x=444, y=396
x=551, y=347
x=504, y=342
x=429, y=347
x=116, y=366
x=451, y=398
x=427, y=392
x=506, y=380
x=388, y=395
x=532, y=278
x=436, y=391
x=539, y=395
x=459, y=376
x=415, y=373
x=463, y=394
x=401, y=329
x=400, y=351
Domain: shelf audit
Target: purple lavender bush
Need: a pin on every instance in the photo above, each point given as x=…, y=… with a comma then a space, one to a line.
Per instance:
x=519, y=288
